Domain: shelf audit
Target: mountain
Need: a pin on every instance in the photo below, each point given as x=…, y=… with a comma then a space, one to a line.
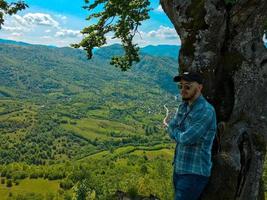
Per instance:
x=42, y=69
x=162, y=50
x=170, y=51
x=82, y=103
x=3, y=41
x=19, y=43
x=116, y=49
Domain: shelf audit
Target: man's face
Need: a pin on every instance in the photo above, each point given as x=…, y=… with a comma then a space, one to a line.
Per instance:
x=189, y=90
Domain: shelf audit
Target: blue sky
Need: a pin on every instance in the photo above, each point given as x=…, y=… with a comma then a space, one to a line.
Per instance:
x=59, y=23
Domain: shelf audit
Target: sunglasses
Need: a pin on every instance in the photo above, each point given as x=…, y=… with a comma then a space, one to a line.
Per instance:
x=184, y=86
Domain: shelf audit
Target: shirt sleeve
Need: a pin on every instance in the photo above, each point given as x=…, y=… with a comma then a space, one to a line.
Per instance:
x=198, y=127
x=171, y=126
x=173, y=122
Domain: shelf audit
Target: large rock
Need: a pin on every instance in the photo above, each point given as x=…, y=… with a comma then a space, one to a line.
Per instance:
x=224, y=42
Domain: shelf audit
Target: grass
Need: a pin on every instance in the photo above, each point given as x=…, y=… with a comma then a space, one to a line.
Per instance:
x=122, y=168
x=168, y=153
x=37, y=186
x=91, y=128
x=20, y=117
x=151, y=152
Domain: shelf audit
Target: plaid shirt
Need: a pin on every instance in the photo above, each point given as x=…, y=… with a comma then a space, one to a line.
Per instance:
x=193, y=128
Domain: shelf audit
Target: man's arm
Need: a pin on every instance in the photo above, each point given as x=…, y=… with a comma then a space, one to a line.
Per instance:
x=198, y=126
x=172, y=124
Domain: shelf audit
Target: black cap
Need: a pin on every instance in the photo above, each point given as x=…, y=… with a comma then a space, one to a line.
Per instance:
x=189, y=76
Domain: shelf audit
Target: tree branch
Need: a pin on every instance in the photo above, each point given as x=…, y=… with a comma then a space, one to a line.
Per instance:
x=10, y=9
x=125, y=18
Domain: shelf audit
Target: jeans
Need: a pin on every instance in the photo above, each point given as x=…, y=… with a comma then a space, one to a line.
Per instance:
x=189, y=186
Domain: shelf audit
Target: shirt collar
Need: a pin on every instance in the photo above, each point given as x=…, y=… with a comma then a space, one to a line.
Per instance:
x=199, y=99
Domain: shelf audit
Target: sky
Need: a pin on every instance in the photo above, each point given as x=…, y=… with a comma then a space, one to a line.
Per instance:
x=59, y=23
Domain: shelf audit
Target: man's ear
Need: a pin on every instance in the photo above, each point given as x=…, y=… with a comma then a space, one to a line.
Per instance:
x=200, y=86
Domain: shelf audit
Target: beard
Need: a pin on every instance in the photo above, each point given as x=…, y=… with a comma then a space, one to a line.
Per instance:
x=190, y=97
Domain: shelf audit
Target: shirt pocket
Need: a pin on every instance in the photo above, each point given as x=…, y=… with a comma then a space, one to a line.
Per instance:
x=188, y=121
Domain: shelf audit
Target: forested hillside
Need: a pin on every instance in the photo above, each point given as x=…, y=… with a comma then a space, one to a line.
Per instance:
x=59, y=112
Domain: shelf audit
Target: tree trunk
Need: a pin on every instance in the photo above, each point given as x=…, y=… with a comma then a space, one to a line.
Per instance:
x=224, y=42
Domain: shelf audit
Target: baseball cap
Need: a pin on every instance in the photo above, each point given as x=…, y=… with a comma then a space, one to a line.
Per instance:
x=189, y=76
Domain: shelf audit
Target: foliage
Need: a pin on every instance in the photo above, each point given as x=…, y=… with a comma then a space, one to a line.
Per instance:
x=133, y=192
x=9, y=183
x=66, y=184
x=121, y=18
x=10, y=9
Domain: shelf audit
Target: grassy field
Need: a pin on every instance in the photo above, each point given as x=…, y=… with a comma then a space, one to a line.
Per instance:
x=97, y=128
x=125, y=168
x=165, y=150
x=145, y=169
x=40, y=187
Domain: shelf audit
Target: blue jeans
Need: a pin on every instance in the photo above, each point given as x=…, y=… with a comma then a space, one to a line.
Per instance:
x=189, y=186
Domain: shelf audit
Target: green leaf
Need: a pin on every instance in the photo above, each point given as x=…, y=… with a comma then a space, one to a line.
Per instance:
x=10, y=9
x=120, y=18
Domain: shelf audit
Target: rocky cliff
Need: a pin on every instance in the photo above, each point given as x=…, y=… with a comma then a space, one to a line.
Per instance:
x=223, y=40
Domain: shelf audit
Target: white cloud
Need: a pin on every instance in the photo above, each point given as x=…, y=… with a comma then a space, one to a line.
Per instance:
x=41, y=19
x=53, y=29
x=13, y=29
x=159, y=9
x=164, y=33
x=112, y=40
x=40, y=28
x=63, y=33
x=16, y=34
x=19, y=21
x=31, y=19
x=46, y=37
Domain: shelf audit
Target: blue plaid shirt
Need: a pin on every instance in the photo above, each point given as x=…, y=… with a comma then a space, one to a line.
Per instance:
x=193, y=128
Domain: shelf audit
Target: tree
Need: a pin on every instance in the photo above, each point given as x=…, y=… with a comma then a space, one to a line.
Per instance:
x=222, y=39
x=123, y=19
x=10, y=9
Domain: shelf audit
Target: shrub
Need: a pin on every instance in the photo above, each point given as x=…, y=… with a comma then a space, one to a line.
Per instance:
x=9, y=183
x=133, y=192
x=34, y=175
x=66, y=184
x=16, y=182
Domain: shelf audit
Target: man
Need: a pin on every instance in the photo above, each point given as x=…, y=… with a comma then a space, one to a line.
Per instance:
x=193, y=128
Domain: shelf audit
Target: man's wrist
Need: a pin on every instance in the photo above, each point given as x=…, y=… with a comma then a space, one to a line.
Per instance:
x=166, y=126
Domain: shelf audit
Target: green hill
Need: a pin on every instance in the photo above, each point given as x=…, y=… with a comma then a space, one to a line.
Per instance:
x=71, y=127
x=56, y=105
x=61, y=114
x=162, y=50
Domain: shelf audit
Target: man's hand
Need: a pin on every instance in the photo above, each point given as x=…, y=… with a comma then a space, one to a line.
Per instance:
x=165, y=123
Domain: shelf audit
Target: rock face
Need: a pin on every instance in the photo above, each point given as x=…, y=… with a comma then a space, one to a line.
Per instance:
x=224, y=42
